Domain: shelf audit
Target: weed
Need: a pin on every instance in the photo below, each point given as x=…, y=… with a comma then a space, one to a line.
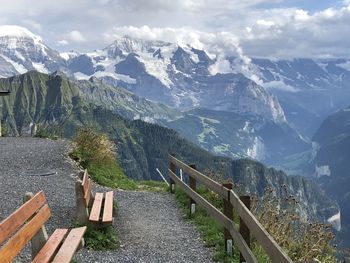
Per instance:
x=101, y=239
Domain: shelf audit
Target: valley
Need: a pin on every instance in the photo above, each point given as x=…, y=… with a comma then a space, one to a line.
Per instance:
x=156, y=97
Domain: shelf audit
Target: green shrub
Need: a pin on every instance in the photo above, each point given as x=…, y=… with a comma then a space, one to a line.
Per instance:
x=96, y=153
x=101, y=239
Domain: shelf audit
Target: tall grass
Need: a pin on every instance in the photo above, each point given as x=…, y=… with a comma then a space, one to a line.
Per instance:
x=302, y=241
x=96, y=153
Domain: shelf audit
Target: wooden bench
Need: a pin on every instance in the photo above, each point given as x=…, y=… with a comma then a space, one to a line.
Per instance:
x=27, y=224
x=96, y=210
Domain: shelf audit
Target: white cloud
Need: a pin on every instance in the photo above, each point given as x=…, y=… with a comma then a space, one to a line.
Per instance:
x=76, y=36
x=280, y=85
x=259, y=28
x=63, y=42
x=221, y=65
x=345, y=65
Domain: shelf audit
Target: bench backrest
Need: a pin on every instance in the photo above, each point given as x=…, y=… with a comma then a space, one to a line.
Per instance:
x=86, y=186
x=22, y=225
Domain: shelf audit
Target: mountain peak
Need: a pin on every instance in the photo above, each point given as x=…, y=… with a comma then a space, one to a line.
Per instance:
x=17, y=32
x=130, y=44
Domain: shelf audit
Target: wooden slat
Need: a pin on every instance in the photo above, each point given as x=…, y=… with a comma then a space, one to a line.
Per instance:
x=87, y=193
x=70, y=245
x=96, y=208
x=85, y=180
x=52, y=245
x=219, y=216
x=108, y=208
x=9, y=225
x=24, y=235
x=201, y=178
x=274, y=251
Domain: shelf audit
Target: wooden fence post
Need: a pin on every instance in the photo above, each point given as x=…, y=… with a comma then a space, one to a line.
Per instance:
x=243, y=229
x=228, y=211
x=193, y=185
x=172, y=168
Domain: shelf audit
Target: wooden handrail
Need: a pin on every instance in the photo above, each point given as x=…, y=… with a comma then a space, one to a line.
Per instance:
x=270, y=246
x=218, y=216
x=201, y=178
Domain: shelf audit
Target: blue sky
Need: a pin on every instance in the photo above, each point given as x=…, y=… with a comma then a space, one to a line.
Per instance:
x=257, y=28
x=309, y=5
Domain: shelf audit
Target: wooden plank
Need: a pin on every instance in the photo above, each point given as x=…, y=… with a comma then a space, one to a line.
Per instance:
x=18, y=241
x=48, y=251
x=85, y=180
x=201, y=178
x=270, y=246
x=108, y=208
x=87, y=193
x=96, y=208
x=219, y=216
x=243, y=229
x=9, y=225
x=70, y=245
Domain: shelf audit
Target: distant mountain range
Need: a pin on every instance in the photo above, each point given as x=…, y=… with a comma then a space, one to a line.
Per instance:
x=62, y=106
x=177, y=76
x=305, y=91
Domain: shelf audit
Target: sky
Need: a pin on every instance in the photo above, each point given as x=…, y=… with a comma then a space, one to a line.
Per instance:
x=258, y=28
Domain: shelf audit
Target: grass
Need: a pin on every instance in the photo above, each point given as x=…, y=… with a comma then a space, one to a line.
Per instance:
x=101, y=239
x=211, y=232
x=304, y=242
x=153, y=186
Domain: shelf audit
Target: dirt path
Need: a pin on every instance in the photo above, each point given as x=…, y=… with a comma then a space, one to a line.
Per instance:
x=150, y=226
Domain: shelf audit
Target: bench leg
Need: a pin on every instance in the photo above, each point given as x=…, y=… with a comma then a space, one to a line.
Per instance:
x=40, y=238
x=81, y=244
x=82, y=215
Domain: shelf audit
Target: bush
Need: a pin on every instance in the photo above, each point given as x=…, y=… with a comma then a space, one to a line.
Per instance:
x=96, y=153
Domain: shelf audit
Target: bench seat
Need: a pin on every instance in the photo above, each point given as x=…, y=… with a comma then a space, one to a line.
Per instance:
x=98, y=209
x=24, y=225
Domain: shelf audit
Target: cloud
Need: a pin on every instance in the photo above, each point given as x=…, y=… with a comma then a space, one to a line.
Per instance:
x=291, y=33
x=345, y=65
x=63, y=42
x=221, y=65
x=76, y=36
x=280, y=85
x=263, y=28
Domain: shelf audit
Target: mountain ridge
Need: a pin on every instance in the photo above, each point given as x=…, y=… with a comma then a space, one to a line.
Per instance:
x=52, y=101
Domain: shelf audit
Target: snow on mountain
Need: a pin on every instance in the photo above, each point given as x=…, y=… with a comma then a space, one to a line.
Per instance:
x=184, y=77
x=176, y=75
x=21, y=51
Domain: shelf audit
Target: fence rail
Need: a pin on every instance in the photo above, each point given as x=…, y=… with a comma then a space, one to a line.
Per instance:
x=249, y=224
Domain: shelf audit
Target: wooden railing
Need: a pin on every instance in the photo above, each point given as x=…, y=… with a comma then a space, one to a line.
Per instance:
x=249, y=225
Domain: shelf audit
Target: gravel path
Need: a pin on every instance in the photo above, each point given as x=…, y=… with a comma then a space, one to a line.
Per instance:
x=149, y=225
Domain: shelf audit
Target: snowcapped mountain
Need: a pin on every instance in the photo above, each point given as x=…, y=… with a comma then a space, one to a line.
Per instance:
x=21, y=51
x=176, y=75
